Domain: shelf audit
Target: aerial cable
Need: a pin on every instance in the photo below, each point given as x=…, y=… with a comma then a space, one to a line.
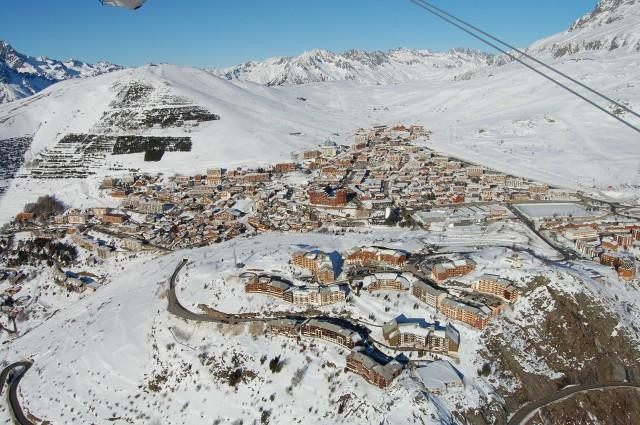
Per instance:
x=525, y=54
x=501, y=50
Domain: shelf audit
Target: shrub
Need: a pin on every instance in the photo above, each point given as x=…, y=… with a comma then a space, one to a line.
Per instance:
x=485, y=370
x=235, y=377
x=45, y=206
x=275, y=365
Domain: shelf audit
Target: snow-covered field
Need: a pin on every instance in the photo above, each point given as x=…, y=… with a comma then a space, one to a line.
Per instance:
x=547, y=210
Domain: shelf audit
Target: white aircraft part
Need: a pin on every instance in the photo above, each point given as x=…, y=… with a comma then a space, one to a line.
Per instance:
x=128, y=4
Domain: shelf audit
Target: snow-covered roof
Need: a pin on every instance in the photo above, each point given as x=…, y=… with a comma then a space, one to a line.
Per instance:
x=439, y=376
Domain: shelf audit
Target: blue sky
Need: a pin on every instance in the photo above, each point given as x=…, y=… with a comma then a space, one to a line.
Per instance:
x=216, y=33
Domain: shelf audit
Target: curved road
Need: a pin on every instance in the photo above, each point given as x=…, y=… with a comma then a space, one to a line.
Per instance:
x=14, y=402
x=526, y=412
x=177, y=309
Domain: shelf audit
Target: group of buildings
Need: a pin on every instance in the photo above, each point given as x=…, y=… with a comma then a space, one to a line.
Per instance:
x=366, y=271
x=74, y=281
x=308, y=296
x=464, y=307
x=614, y=244
x=403, y=333
x=341, y=185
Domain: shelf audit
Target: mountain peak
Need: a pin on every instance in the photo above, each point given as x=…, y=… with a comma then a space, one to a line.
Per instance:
x=611, y=27
x=607, y=12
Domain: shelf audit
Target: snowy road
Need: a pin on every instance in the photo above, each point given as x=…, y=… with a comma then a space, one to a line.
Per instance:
x=528, y=411
x=18, y=414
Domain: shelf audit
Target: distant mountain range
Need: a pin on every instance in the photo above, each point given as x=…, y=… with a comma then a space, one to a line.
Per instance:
x=393, y=66
x=611, y=26
x=22, y=75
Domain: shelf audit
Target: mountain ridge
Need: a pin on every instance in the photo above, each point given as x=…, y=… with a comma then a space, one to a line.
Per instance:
x=376, y=67
x=22, y=75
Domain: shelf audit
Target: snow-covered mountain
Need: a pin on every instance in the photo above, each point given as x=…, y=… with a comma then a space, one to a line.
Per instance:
x=22, y=75
x=393, y=66
x=613, y=26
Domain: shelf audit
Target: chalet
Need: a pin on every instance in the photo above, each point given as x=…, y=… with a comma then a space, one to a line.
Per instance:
x=455, y=309
x=183, y=180
x=285, y=327
x=99, y=211
x=331, y=332
x=268, y=285
x=25, y=216
x=428, y=294
x=317, y=262
x=256, y=177
x=114, y=218
x=285, y=167
x=378, y=374
x=77, y=217
x=256, y=223
x=227, y=215
x=329, y=149
x=455, y=268
x=215, y=172
x=494, y=285
x=311, y=154
x=388, y=282
x=314, y=296
x=612, y=259
x=627, y=269
x=118, y=193
x=373, y=256
x=402, y=333
x=329, y=197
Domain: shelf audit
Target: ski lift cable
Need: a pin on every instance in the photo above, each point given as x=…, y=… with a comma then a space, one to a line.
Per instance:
x=489, y=43
x=533, y=58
